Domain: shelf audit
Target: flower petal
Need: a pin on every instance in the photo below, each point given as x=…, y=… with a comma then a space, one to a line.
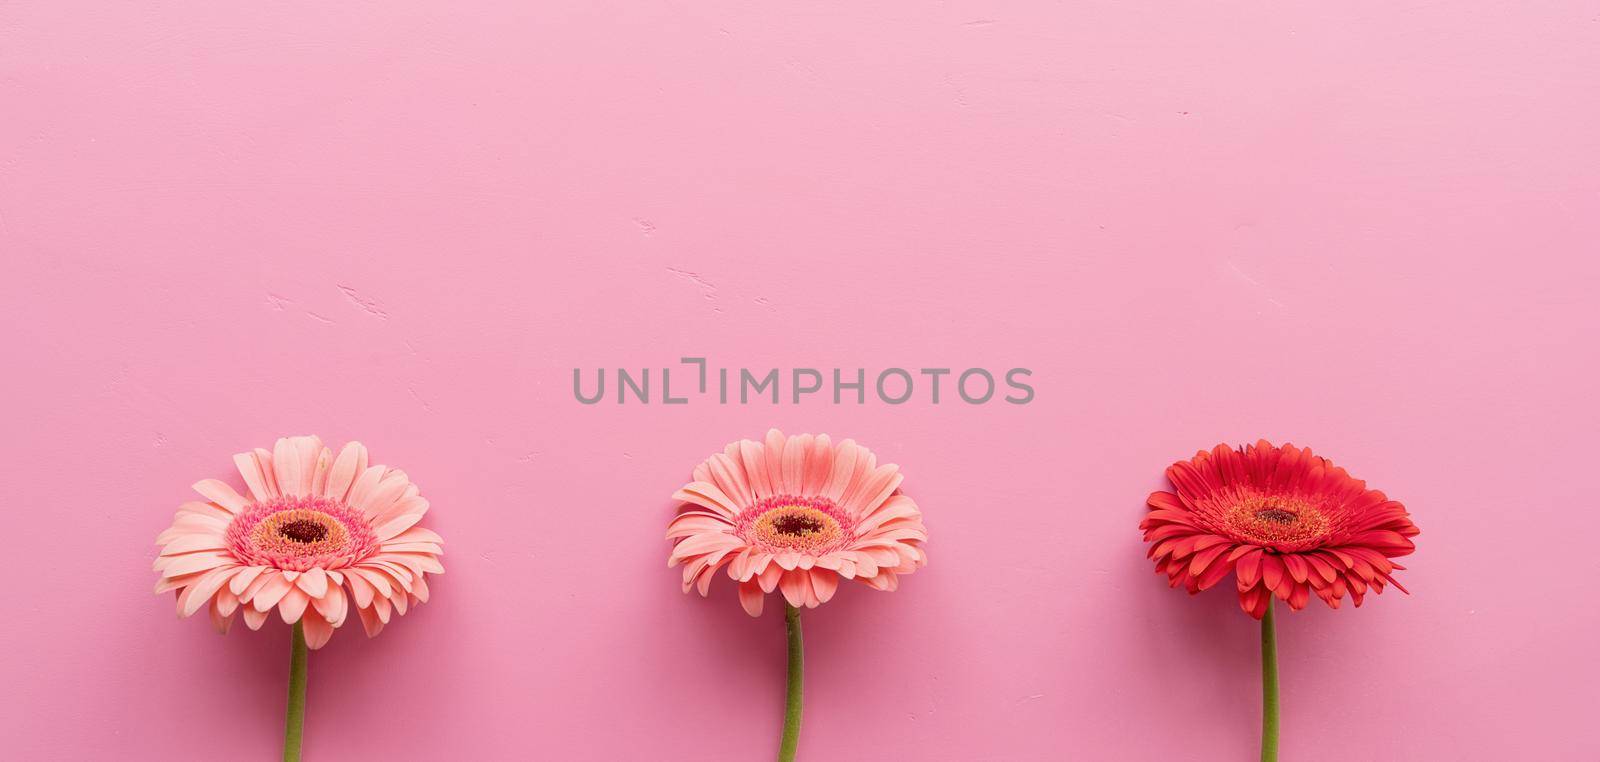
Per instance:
x=220, y=493
x=751, y=597
x=256, y=476
x=317, y=631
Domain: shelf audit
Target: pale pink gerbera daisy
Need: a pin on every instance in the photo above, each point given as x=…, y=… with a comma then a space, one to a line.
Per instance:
x=315, y=533
x=796, y=514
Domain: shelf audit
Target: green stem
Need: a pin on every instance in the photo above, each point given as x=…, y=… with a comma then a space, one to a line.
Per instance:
x=294, y=723
x=797, y=668
x=1269, y=687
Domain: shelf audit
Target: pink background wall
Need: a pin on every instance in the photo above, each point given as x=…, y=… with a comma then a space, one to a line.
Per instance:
x=1368, y=227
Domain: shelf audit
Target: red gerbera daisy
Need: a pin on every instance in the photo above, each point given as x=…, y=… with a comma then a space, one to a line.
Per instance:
x=1285, y=522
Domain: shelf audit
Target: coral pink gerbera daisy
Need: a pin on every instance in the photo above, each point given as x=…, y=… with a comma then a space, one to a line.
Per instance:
x=314, y=534
x=795, y=514
x=1284, y=522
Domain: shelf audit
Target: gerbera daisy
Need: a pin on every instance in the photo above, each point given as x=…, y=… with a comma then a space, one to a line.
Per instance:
x=795, y=514
x=315, y=533
x=1286, y=524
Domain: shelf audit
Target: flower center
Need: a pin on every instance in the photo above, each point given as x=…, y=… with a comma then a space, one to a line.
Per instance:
x=786, y=523
x=303, y=530
x=1276, y=515
x=796, y=524
x=300, y=533
x=1276, y=520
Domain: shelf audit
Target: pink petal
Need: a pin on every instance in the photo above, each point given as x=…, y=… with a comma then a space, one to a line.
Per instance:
x=293, y=605
x=194, y=511
x=751, y=597
x=255, y=474
x=286, y=467
x=253, y=618
x=702, y=543
x=318, y=631
x=332, y=606
x=752, y=457
x=319, y=477
x=314, y=583
x=709, y=496
x=370, y=621
x=383, y=496
x=190, y=543
x=419, y=588
x=220, y=493
x=794, y=464
x=271, y=591
x=220, y=620
x=242, y=580
x=366, y=482
x=177, y=566
x=819, y=465
x=768, y=578
x=688, y=524
x=794, y=587
x=729, y=477
x=352, y=460
x=199, y=594
x=261, y=581
x=419, y=534
x=844, y=464
x=896, y=507
x=374, y=578
x=361, y=590
x=392, y=527
x=225, y=601
x=773, y=455
x=824, y=584
x=877, y=488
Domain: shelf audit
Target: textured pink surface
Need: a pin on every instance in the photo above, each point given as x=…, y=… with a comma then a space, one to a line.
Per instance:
x=1365, y=227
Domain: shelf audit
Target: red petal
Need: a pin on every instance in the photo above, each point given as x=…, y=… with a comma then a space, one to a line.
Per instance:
x=1249, y=569
x=1299, y=597
x=1298, y=568
x=1272, y=571
x=1240, y=550
x=1204, y=558
x=1215, y=573
x=1323, y=568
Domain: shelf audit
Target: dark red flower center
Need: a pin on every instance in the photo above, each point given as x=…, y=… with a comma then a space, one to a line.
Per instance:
x=812, y=524
x=1277, y=515
x=298, y=533
x=795, y=524
x=1276, y=520
x=303, y=530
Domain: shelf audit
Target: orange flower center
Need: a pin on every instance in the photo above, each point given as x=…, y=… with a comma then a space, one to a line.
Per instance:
x=300, y=533
x=810, y=525
x=792, y=522
x=1277, y=520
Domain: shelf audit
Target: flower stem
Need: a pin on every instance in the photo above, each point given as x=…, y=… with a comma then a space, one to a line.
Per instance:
x=1269, y=687
x=797, y=668
x=294, y=723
